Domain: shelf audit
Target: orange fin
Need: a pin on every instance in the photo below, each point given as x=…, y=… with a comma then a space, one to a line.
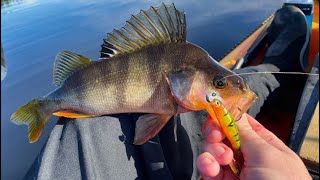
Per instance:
x=73, y=115
x=148, y=126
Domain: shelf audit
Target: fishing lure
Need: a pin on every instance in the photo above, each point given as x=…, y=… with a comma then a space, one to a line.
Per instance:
x=228, y=126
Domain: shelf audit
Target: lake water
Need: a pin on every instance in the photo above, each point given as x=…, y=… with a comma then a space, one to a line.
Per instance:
x=33, y=32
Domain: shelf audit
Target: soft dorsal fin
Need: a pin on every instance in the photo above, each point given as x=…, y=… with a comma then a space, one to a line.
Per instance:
x=67, y=63
x=161, y=25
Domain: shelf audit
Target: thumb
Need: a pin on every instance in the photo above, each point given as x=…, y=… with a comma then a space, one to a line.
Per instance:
x=251, y=142
x=267, y=135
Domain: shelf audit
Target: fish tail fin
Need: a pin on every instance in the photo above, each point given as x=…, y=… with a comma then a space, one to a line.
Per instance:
x=35, y=115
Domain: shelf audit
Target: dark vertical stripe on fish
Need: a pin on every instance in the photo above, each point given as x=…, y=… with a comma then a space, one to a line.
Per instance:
x=153, y=68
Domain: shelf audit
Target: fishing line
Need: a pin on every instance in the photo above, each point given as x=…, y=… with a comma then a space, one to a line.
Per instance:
x=252, y=73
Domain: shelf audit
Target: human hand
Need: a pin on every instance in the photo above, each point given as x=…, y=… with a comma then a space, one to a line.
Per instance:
x=265, y=155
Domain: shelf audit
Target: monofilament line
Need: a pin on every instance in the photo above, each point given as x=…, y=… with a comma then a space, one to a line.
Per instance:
x=294, y=73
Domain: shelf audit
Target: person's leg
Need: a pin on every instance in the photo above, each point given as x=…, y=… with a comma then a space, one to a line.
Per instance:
x=98, y=148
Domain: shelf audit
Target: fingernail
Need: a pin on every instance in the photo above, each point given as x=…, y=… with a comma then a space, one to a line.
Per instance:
x=218, y=150
x=206, y=161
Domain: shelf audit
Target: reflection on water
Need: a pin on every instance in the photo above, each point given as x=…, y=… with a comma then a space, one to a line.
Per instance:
x=33, y=32
x=3, y=65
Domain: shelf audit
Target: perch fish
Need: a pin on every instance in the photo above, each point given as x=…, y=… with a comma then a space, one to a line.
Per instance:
x=147, y=66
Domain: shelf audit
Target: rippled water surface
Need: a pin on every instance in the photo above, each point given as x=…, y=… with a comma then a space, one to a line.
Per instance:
x=33, y=32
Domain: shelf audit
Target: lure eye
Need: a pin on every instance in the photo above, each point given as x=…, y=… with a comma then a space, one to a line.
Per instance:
x=211, y=97
x=219, y=82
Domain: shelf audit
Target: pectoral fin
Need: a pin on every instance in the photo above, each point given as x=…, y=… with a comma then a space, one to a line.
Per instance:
x=187, y=87
x=149, y=125
x=180, y=83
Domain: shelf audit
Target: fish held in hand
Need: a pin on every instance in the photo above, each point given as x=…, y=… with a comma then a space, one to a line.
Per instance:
x=145, y=67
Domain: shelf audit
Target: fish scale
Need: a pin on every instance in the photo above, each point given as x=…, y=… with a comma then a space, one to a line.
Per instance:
x=131, y=92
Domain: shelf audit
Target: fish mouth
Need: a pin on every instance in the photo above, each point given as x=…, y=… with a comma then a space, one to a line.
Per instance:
x=242, y=104
x=236, y=104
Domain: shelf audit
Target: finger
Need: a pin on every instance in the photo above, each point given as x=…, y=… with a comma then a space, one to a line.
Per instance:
x=207, y=165
x=250, y=140
x=219, y=176
x=224, y=173
x=212, y=132
x=222, y=153
x=267, y=135
x=245, y=130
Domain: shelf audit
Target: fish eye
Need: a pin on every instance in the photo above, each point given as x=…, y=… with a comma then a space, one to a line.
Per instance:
x=217, y=103
x=219, y=82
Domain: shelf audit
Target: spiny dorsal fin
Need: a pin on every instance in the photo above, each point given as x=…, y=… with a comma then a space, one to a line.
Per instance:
x=161, y=25
x=67, y=63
